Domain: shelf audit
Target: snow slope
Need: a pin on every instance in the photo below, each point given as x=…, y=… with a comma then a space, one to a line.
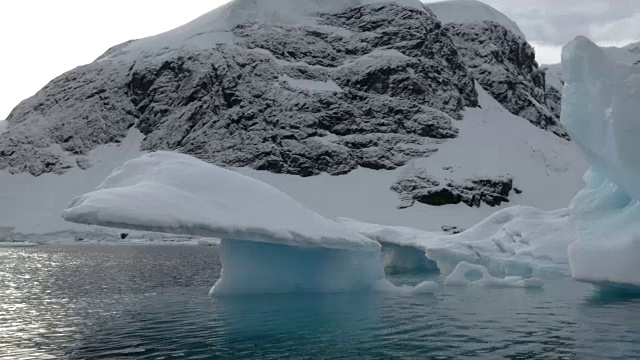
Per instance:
x=471, y=11
x=601, y=107
x=553, y=74
x=34, y=204
x=3, y=126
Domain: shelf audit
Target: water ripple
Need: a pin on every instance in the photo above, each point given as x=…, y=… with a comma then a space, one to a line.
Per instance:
x=150, y=302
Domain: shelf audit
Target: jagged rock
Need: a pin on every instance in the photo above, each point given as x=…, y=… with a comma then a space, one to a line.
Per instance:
x=504, y=64
x=83, y=163
x=371, y=86
x=452, y=229
x=418, y=185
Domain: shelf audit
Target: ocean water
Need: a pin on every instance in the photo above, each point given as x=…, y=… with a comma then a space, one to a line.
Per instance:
x=151, y=302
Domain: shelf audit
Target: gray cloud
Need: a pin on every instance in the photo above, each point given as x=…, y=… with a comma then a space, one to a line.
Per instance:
x=555, y=22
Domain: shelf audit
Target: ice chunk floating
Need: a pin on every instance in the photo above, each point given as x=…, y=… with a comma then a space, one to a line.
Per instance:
x=270, y=242
x=601, y=110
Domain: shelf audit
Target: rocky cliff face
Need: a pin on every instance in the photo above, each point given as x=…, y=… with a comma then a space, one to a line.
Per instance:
x=371, y=86
x=504, y=64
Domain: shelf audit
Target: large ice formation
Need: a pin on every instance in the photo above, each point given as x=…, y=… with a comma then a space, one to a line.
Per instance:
x=466, y=274
x=601, y=110
x=270, y=243
x=517, y=241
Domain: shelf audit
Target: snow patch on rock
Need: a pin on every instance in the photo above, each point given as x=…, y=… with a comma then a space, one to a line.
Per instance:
x=311, y=85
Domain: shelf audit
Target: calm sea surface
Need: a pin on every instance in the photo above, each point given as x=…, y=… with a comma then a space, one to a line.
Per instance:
x=151, y=302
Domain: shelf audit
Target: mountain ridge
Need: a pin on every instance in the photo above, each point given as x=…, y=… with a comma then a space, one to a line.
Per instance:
x=377, y=89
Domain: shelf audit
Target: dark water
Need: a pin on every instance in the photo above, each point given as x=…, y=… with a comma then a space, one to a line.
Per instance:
x=150, y=302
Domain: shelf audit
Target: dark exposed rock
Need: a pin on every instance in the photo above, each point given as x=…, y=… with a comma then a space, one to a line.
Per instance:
x=418, y=185
x=83, y=163
x=504, y=64
x=452, y=229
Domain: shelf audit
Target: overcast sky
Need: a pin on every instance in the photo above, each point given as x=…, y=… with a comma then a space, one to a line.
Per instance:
x=41, y=39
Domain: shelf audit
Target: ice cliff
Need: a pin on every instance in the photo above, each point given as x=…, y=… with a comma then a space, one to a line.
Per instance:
x=601, y=110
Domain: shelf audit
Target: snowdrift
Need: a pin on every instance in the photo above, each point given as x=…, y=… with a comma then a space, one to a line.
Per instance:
x=270, y=243
x=600, y=108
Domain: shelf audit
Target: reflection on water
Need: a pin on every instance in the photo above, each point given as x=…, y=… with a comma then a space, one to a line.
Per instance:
x=151, y=302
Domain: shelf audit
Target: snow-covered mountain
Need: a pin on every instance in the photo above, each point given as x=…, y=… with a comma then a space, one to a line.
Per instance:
x=3, y=126
x=363, y=109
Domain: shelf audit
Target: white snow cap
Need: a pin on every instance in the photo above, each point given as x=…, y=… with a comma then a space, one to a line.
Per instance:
x=601, y=110
x=213, y=27
x=289, y=11
x=471, y=11
x=175, y=193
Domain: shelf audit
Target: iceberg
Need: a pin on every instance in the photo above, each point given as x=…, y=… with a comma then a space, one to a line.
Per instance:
x=462, y=275
x=601, y=111
x=269, y=242
x=516, y=241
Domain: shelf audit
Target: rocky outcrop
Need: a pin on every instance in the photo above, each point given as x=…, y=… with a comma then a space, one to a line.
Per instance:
x=504, y=64
x=371, y=86
x=419, y=186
